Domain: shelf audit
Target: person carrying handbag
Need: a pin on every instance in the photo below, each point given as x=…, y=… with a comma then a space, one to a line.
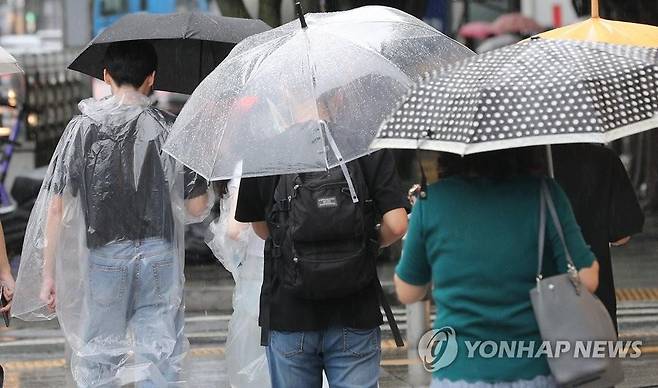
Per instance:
x=474, y=241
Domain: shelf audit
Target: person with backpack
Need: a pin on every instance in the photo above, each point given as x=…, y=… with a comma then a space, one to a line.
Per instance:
x=321, y=298
x=104, y=247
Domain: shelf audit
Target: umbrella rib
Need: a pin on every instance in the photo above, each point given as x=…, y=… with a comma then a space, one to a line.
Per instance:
x=234, y=58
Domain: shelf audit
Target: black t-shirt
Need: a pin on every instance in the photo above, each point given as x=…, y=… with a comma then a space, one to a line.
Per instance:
x=120, y=178
x=603, y=201
x=289, y=313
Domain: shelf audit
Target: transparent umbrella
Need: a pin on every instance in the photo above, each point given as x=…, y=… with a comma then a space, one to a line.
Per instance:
x=8, y=64
x=307, y=95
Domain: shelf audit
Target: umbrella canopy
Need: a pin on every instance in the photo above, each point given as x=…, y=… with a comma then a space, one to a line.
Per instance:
x=8, y=64
x=606, y=31
x=536, y=92
x=265, y=106
x=189, y=45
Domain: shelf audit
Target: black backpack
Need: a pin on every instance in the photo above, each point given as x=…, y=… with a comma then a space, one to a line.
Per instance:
x=323, y=243
x=324, y=240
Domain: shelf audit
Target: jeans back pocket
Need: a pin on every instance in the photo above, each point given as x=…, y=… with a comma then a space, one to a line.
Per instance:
x=166, y=281
x=107, y=284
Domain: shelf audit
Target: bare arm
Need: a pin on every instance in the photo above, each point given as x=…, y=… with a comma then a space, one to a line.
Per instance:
x=393, y=227
x=409, y=293
x=4, y=260
x=197, y=206
x=620, y=242
x=5, y=272
x=53, y=224
x=235, y=228
x=590, y=276
x=261, y=229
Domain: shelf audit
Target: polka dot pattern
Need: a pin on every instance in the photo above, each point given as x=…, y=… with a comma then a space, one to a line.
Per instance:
x=534, y=88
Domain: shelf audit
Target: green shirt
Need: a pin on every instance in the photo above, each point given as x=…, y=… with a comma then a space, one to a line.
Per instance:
x=475, y=240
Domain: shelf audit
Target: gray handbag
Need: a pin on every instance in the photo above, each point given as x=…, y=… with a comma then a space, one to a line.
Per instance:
x=567, y=312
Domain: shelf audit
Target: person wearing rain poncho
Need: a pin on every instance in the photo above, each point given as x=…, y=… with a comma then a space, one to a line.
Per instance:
x=240, y=251
x=104, y=245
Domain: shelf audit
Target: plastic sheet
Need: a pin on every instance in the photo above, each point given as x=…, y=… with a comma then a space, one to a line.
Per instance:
x=104, y=244
x=240, y=251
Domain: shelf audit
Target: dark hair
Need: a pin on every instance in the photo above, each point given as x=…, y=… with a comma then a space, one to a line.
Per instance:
x=220, y=188
x=130, y=62
x=494, y=164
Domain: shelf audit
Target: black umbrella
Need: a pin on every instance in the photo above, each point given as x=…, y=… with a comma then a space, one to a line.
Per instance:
x=189, y=45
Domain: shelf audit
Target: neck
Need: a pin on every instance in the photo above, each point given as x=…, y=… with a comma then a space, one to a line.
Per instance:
x=126, y=89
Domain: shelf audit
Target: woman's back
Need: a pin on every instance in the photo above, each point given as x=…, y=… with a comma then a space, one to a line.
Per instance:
x=476, y=239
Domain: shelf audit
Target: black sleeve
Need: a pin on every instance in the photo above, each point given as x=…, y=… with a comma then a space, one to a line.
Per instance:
x=195, y=185
x=383, y=182
x=254, y=199
x=626, y=217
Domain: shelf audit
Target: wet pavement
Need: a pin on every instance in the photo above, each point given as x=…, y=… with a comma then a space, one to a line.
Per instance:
x=33, y=354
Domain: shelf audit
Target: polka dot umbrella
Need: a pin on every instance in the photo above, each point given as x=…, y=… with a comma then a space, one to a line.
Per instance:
x=538, y=92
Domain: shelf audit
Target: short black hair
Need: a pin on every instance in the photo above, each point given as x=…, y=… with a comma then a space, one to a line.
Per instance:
x=130, y=62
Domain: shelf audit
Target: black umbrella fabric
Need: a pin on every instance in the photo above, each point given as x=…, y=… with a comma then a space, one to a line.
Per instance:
x=537, y=92
x=189, y=45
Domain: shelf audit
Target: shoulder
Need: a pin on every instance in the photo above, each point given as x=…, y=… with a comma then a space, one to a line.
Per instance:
x=78, y=127
x=161, y=116
x=379, y=165
x=557, y=192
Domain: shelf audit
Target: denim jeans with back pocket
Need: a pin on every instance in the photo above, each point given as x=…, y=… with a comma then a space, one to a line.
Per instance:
x=133, y=326
x=349, y=357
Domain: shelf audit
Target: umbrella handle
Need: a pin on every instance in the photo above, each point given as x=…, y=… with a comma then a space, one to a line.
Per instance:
x=549, y=161
x=300, y=15
x=423, y=178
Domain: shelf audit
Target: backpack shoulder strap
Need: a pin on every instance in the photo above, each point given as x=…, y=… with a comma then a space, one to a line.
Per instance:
x=395, y=330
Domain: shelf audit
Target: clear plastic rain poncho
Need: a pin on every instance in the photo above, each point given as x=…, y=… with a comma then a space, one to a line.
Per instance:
x=240, y=251
x=105, y=245
x=265, y=106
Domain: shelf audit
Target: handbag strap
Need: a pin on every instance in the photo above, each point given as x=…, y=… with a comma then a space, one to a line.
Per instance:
x=546, y=201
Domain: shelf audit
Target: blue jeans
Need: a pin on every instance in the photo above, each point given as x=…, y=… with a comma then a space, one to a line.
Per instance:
x=133, y=287
x=349, y=357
